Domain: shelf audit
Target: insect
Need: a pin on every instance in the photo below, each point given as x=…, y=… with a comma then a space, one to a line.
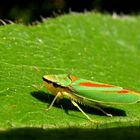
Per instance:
x=91, y=93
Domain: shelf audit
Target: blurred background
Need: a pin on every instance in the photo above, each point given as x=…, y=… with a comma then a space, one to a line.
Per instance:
x=31, y=11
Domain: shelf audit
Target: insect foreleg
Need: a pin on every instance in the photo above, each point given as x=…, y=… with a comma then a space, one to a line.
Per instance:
x=55, y=98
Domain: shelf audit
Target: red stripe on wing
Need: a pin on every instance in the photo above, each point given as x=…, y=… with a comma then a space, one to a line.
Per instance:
x=88, y=84
x=123, y=91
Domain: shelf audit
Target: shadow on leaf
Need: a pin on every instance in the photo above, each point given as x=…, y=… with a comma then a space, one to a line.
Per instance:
x=66, y=105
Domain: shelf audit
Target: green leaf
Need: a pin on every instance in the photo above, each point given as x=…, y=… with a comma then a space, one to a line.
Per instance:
x=91, y=46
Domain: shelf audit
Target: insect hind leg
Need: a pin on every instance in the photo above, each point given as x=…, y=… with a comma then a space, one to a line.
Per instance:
x=76, y=105
x=99, y=108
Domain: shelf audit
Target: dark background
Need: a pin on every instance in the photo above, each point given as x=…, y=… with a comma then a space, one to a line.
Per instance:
x=29, y=11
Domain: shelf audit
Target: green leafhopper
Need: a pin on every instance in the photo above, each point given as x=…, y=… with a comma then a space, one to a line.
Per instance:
x=91, y=93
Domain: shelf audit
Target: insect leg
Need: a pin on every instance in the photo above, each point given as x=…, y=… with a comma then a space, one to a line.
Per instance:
x=76, y=105
x=107, y=114
x=50, y=106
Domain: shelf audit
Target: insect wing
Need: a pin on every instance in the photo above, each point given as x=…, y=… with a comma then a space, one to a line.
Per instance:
x=104, y=93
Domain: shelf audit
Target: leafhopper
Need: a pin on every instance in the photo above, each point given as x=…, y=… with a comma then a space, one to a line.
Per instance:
x=91, y=93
